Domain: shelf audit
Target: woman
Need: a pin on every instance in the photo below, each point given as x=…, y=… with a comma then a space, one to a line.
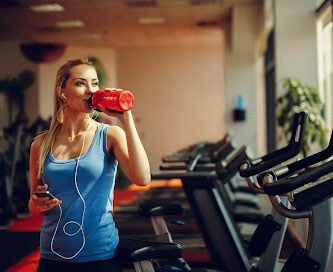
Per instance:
x=76, y=161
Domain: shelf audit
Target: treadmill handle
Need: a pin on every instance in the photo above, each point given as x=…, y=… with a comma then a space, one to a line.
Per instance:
x=289, y=184
x=172, y=175
x=253, y=167
x=314, y=195
x=300, y=164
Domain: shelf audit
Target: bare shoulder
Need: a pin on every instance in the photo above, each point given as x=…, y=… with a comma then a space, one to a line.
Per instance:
x=115, y=130
x=115, y=134
x=38, y=140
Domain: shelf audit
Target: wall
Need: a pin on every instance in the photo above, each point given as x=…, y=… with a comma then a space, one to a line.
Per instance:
x=179, y=92
x=296, y=44
x=179, y=96
x=244, y=77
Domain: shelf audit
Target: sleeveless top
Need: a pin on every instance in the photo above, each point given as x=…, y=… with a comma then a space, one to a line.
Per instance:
x=85, y=212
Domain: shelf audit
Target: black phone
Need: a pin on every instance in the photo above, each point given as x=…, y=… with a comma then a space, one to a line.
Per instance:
x=44, y=194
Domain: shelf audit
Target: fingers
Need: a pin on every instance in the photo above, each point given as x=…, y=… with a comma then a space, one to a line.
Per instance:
x=101, y=108
x=39, y=199
x=41, y=188
x=44, y=203
x=45, y=206
x=110, y=112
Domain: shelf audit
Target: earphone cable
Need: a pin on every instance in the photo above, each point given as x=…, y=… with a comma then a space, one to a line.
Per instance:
x=83, y=212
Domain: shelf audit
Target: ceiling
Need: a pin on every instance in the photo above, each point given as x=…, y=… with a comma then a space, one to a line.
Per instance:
x=115, y=22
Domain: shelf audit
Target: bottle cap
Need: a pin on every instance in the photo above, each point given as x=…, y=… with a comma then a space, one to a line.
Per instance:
x=126, y=100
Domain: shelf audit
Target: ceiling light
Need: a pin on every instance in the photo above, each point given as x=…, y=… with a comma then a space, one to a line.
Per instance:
x=47, y=8
x=151, y=20
x=70, y=24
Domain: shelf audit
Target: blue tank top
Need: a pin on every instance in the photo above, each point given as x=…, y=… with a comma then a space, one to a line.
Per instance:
x=95, y=182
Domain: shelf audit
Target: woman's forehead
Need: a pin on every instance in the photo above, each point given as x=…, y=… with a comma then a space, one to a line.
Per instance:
x=83, y=71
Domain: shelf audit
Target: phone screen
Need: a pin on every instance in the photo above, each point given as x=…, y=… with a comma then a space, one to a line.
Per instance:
x=44, y=194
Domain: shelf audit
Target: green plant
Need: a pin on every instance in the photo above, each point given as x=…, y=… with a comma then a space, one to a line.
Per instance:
x=16, y=86
x=101, y=72
x=299, y=97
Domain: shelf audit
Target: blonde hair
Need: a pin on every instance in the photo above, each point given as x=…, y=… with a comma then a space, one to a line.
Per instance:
x=48, y=136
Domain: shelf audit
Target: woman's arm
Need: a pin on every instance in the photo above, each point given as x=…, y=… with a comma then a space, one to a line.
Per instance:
x=128, y=149
x=38, y=205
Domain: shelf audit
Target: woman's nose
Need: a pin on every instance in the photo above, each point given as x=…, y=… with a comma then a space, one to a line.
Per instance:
x=91, y=89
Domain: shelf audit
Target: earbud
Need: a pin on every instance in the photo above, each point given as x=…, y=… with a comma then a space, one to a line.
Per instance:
x=63, y=95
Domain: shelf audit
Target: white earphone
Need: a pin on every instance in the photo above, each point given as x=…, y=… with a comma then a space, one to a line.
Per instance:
x=63, y=95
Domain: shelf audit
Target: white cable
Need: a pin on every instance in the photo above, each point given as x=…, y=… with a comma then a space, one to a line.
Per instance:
x=73, y=222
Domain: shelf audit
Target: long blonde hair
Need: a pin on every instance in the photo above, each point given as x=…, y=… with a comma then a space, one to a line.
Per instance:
x=48, y=136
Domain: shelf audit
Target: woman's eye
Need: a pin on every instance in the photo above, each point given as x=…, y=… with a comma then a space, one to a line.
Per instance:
x=95, y=84
x=80, y=83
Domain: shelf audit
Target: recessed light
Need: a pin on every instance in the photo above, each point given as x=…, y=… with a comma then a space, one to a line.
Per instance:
x=70, y=24
x=151, y=20
x=47, y=8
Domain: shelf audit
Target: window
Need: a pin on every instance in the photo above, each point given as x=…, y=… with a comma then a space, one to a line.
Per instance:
x=325, y=57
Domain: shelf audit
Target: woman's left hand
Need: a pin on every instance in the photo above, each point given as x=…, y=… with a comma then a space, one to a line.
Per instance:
x=112, y=113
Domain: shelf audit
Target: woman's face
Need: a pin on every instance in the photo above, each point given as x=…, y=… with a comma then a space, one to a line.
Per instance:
x=81, y=84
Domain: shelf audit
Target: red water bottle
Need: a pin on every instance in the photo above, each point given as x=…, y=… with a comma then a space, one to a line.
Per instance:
x=119, y=101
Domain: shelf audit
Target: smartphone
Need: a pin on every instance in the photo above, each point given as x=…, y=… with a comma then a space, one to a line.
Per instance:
x=44, y=194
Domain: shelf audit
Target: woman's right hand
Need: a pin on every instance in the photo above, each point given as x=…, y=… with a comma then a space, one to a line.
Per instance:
x=43, y=204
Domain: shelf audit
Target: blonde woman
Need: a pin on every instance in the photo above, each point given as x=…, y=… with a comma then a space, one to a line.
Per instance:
x=75, y=161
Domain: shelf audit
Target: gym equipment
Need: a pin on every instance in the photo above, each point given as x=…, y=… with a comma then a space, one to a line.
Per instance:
x=311, y=199
x=14, y=157
x=202, y=190
x=249, y=169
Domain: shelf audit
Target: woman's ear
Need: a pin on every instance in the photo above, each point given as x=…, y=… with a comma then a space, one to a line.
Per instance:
x=61, y=93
